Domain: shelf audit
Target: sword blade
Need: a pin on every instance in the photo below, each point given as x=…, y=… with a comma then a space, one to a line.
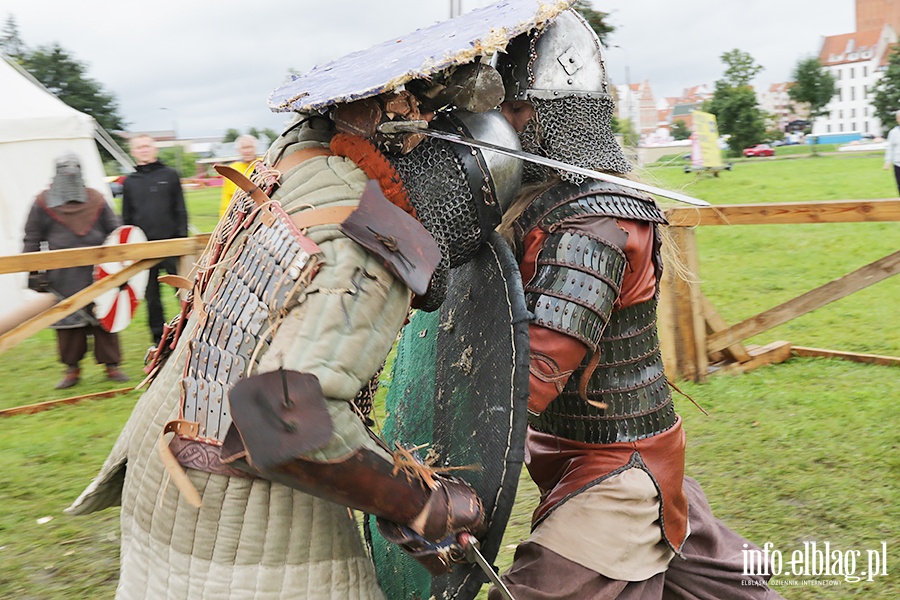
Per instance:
x=474, y=555
x=417, y=127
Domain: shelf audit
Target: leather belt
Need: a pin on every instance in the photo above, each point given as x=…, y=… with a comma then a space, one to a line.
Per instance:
x=181, y=453
x=179, y=477
x=204, y=457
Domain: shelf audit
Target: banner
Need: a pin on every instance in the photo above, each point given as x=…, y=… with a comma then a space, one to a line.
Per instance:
x=705, y=151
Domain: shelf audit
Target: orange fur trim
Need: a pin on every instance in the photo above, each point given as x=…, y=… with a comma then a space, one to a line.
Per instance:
x=374, y=164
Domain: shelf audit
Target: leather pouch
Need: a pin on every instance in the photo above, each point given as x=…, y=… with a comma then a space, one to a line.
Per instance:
x=279, y=416
x=385, y=230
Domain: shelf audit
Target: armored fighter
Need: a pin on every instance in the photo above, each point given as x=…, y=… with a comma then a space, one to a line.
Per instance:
x=237, y=465
x=617, y=517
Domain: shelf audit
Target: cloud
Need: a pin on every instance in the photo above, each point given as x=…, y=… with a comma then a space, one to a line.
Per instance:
x=212, y=66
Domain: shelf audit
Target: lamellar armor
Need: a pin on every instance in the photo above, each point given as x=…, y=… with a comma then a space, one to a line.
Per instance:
x=574, y=291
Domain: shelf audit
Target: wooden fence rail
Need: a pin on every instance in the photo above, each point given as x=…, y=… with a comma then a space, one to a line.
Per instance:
x=78, y=257
x=692, y=333
x=142, y=256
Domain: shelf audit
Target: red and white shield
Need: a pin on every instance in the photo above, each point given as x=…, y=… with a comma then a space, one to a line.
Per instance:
x=115, y=308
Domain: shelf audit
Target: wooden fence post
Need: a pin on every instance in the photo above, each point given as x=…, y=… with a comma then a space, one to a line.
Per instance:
x=682, y=327
x=665, y=323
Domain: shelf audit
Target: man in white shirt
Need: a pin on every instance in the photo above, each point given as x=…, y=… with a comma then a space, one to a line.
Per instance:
x=892, y=152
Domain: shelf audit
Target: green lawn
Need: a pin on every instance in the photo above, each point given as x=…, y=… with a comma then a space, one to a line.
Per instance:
x=801, y=451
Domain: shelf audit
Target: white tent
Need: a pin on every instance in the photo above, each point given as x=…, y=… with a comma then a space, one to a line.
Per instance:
x=35, y=128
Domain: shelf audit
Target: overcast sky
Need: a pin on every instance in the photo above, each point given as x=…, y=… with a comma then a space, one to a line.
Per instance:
x=204, y=67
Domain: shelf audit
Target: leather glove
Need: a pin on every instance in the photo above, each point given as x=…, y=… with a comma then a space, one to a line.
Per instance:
x=38, y=281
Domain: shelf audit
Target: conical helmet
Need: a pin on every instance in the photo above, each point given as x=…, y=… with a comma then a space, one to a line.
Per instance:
x=561, y=71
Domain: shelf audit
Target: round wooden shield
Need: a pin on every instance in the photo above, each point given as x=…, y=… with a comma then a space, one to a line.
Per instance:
x=115, y=308
x=459, y=391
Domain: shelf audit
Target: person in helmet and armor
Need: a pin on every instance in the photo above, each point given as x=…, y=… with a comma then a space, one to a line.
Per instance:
x=247, y=448
x=617, y=517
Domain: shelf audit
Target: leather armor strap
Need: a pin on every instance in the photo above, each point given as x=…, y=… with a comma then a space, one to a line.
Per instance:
x=240, y=180
x=300, y=156
x=283, y=165
x=332, y=215
x=173, y=468
x=177, y=281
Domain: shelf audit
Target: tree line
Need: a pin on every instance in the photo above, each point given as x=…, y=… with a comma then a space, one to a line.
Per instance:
x=812, y=88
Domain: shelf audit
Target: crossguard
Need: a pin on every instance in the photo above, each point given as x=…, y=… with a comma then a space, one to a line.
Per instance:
x=470, y=546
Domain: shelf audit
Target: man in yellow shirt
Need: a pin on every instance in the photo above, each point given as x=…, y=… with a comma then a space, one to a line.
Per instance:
x=246, y=147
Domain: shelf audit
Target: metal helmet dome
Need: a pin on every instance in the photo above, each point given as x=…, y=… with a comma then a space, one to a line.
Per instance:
x=564, y=59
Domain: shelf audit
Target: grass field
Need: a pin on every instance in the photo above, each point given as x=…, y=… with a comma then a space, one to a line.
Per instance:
x=797, y=452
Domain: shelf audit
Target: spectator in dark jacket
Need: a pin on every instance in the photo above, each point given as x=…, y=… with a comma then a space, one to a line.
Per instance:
x=153, y=200
x=69, y=215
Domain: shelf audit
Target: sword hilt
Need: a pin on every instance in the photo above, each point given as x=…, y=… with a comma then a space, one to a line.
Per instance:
x=469, y=544
x=471, y=549
x=394, y=127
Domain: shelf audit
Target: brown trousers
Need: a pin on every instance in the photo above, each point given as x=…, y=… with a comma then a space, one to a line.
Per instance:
x=73, y=345
x=712, y=568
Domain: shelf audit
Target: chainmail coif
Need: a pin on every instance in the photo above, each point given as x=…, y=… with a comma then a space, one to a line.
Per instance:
x=436, y=182
x=67, y=185
x=574, y=130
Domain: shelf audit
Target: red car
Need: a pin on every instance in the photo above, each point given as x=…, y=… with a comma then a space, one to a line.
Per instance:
x=759, y=150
